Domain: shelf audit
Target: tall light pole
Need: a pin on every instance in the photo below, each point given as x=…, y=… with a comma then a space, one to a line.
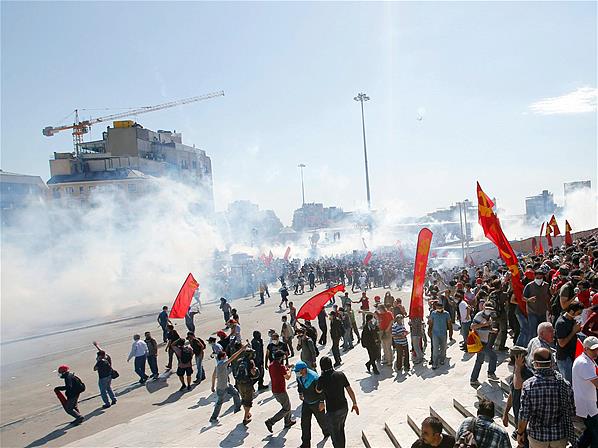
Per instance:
x=361, y=97
x=301, y=166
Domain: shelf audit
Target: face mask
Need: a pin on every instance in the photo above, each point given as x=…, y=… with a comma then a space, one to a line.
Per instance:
x=538, y=281
x=487, y=312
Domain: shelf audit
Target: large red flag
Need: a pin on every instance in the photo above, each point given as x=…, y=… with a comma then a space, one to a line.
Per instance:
x=568, y=238
x=491, y=225
x=554, y=226
x=416, y=307
x=548, y=232
x=367, y=258
x=287, y=253
x=310, y=309
x=183, y=299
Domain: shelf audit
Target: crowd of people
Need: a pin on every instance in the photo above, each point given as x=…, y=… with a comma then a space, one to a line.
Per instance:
x=553, y=347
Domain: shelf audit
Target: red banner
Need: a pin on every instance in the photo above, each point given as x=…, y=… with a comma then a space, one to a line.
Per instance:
x=310, y=309
x=287, y=253
x=554, y=226
x=416, y=306
x=568, y=238
x=491, y=225
x=367, y=258
x=548, y=237
x=183, y=299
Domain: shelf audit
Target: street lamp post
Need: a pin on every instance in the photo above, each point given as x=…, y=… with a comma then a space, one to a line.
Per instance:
x=301, y=166
x=361, y=97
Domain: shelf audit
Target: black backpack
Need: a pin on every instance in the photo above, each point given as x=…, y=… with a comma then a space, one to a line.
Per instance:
x=241, y=372
x=78, y=385
x=186, y=355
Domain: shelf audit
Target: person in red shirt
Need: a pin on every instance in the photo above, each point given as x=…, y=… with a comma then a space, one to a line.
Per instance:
x=364, y=307
x=279, y=373
x=385, y=319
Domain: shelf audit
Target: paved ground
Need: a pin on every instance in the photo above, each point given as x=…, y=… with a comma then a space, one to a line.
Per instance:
x=29, y=413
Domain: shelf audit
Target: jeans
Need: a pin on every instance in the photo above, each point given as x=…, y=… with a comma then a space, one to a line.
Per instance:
x=479, y=360
x=285, y=412
x=533, y=320
x=348, y=338
x=438, y=349
x=416, y=342
x=140, y=367
x=523, y=338
x=307, y=410
x=336, y=421
x=152, y=362
x=164, y=333
x=501, y=337
x=373, y=355
x=72, y=407
x=201, y=374
x=465, y=330
x=589, y=438
x=565, y=367
x=106, y=389
x=221, y=393
x=335, y=351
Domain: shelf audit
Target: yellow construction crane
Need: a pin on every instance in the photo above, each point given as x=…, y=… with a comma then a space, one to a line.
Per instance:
x=83, y=127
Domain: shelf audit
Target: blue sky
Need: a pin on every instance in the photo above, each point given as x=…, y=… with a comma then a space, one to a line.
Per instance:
x=480, y=73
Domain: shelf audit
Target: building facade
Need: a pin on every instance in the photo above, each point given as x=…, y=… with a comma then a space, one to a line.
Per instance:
x=17, y=191
x=540, y=206
x=314, y=215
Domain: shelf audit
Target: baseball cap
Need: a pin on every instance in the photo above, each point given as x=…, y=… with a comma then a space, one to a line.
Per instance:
x=590, y=342
x=63, y=368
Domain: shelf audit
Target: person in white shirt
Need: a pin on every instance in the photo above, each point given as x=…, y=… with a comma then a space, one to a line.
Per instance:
x=585, y=383
x=139, y=351
x=464, y=318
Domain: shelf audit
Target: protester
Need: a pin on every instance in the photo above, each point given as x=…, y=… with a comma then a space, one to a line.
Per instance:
x=287, y=333
x=399, y=342
x=482, y=324
x=221, y=383
x=417, y=339
x=323, y=327
x=464, y=319
x=139, y=351
x=385, y=319
x=246, y=373
x=486, y=433
x=544, y=339
x=152, y=354
x=565, y=331
x=333, y=385
x=537, y=298
x=432, y=436
x=198, y=346
x=585, y=383
x=226, y=308
x=370, y=339
x=104, y=368
x=172, y=337
x=336, y=332
x=279, y=374
x=439, y=322
x=163, y=320
x=312, y=403
x=521, y=373
x=308, y=349
x=73, y=387
x=275, y=345
x=257, y=345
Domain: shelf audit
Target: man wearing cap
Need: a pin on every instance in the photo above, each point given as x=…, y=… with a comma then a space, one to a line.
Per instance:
x=585, y=383
x=72, y=393
x=279, y=374
x=313, y=403
x=482, y=324
x=537, y=297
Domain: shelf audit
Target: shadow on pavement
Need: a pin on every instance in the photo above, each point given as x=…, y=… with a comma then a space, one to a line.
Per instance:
x=235, y=437
x=57, y=433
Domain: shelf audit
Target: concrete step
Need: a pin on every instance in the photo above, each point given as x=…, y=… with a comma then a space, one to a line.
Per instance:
x=400, y=433
x=415, y=418
x=374, y=436
x=468, y=409
x=450, y=417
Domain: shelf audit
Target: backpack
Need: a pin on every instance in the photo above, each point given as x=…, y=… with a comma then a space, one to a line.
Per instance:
x=186, y=355
x=78, y=385
x=241, y=372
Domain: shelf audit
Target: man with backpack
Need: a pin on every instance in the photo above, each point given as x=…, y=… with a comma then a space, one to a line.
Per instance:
x=245, y=373
x=481, y=431
x=73, y=387
x=184, y=354
x=198, y=346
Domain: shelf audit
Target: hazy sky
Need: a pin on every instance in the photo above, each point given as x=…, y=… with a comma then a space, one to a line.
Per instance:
x=507, y=92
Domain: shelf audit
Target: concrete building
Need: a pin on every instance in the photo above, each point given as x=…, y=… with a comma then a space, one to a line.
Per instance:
x=17, y=191
x=541, y=206
x=573, y=187
x=314, y=215
x=244, y=221
x=127, y=156
x=450, y=216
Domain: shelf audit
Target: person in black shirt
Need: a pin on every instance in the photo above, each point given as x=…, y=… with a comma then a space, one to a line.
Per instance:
x=104, y=368
x=172, y=337
x=432, y=437
x=257, y=344
x=565, y=332
x=333, y=384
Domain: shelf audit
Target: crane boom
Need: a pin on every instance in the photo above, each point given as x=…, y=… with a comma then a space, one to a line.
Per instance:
x=82, y=127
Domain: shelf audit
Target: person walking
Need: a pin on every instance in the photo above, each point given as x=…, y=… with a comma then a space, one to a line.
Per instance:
x=370, y=339
x=323, y=327
x=585, y=383
x=172, y=337
x=417, y=339
x=226, y=308
x=279, y=374
x=308, y=349
x=439, y=322
x=284, y=296
x=399, y=342
x=104, y=368
x=73, y=387
x=385, y=319
x=482, y=324
x=537, y=297
x=139, y=352
x=336, y=332
x=287, y=334
x=246, y=373
x=257, y=345
x=221, y=383
x=333, y=385
x=184, y=354
x=312, y=403
x=152, y=354
x=198, y=346
x=565, y=332
x=163, y=321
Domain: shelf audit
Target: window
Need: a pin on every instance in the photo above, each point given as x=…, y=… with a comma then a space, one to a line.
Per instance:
x=132, y=188
x=69, y=190
x=81, y=190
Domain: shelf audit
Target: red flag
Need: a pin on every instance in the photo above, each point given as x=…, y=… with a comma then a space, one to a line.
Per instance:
x=491, y=225
x=310, y=309
x=554, y=226
x=548, y=237
x=534, y=246
x=416, y=307
x=578, y=347
x=568, y=238
x=183, y=299
x=287, y=253
x=367, y=258
x=60, y=397
x=540, y=246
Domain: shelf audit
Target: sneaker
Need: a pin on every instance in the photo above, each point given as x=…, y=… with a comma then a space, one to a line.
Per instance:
x=367, y=366
x=268, y=425
x=113, y=402
x=106, y=406
x=475, y=384
x=78, y=421
x=246, y=422
x=493, y=377
x=182, y=388
x=292, y=422
x=213, y=420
